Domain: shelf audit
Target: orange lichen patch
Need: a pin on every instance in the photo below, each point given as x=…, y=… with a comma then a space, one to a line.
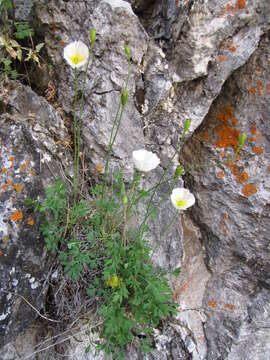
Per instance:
x=252, y=90
x=205, y=135
x=253, y=129
x=9, y=182
x=234, y=121
x=259, y=87
x=212, y=303
x=222, y=154
x=220, y=174
x=16, y=216
x=225, y=216
x=1, y=253
x=267, y=87
x=221, y=58
x=99, y=168
x=18, y=188
x=241, y=4
x=234, y=168
x=230, y=307
x=252, y=139
x=30, y=221
x=227, y=137
x=4, y=187
x=258, y=150
x=249, y=189
x=232, y=49
x=226, y=114
x=242, y=177
x=268, y=168
x=11, y=158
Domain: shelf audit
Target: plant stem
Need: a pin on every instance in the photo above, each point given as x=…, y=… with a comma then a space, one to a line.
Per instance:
x=117, y=124
x=161, y=178
x=75, y=182
x=80, y=115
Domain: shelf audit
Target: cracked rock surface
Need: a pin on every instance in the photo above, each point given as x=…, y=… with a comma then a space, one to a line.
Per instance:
x=207, y=60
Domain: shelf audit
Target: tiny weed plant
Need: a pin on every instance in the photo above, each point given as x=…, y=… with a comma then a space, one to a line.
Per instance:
x=95, y=240
x=16, y=42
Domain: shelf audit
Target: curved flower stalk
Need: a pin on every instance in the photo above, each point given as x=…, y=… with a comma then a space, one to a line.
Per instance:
x=182, y=198
x=76, y=54
x=144, y=160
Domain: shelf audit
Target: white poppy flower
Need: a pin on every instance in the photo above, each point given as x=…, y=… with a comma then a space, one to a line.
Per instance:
x=76, y=54
x=145, y=160
x=182, y=198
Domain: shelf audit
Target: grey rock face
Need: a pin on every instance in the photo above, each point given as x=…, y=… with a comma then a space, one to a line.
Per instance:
x=30, y=131
x=233, y=213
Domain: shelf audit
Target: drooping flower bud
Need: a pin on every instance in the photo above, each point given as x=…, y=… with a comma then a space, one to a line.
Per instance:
x=92, y=36
x=125, y=200
x=124, y=97
x=179, y=171
x=127, y=51
x=187, y=125
x=242, y=139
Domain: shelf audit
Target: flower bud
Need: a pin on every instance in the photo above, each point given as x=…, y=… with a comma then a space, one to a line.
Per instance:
x=179, y=171
x=92, y=36
x=242, y=139
x=125, y=200
x=187, y=125
x=124, y=97
x=127, y=51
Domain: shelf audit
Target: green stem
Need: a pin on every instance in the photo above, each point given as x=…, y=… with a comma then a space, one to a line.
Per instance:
x=75, y=138
x=80, y=118
x=161, y=179
x=176, y=214
x=117, y=124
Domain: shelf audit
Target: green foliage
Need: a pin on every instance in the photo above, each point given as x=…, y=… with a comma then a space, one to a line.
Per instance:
x=23, y=30
x=88, y=239
x=16, y=43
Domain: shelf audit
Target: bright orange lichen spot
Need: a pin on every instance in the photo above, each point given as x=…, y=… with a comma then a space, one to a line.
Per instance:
x=230, y=307
x=234, y=121
x=222, y=154
x=252, y=139
x=225, y=215
x=212, y=303
x=1, y=253
x=11, y=158
x=3, y=170
x=234, y=168
x=220, y=174
x=226, y=114
x=221, y=58
x=99, y=168
x=252, y=90
x=242, y=177
x=227, y=137
x=241, y=4
x=205, y=135
x=259, y=87
x=16, y=216
x=9, y=182
x=257, y=150
x=18, y=188
x=30, y=221
x=253, y=129
x=232, y=49
x=249, y=189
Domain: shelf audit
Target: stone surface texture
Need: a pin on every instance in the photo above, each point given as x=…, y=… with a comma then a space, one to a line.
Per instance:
x=207, y=60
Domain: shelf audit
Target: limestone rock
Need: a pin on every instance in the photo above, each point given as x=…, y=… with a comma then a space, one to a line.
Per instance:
x=32, y=139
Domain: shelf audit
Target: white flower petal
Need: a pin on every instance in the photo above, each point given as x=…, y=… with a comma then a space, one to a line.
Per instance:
x=76, y=54
x=182, y=198
x=145, y=160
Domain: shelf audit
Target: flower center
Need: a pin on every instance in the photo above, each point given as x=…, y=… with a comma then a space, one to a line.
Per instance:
x=181, y=203
x=76, y=59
